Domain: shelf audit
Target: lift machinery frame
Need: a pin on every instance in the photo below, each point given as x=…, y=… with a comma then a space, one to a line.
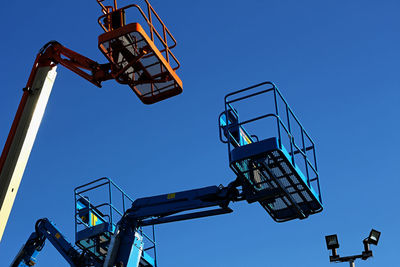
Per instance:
x=134, y=60
x=287, y=196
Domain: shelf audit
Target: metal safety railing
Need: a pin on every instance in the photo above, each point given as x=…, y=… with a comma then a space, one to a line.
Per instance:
x=300, y=143
x=150, y=18
x=110, y=210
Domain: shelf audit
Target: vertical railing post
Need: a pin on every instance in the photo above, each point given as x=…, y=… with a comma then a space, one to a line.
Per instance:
x=277, y=119
x=154, y=244
x=110, y=205
x=316, y=169
x=315, y=158
x=76, y=212
x=305, y=156
x=290, y=133
x=150, y=21
x=227, y=130
x=166, y=44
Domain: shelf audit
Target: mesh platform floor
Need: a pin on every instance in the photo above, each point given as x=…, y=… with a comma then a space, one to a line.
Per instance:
x=96, y=245
x=150, y=77
x=280, y=188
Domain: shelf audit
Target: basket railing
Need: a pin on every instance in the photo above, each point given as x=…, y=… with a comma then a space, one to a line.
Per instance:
x=154, y=35
x=110, y=210
x=298, y=143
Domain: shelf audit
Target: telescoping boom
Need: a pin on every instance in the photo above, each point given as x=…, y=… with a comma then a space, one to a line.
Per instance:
x=138, y=56
x=266, y=172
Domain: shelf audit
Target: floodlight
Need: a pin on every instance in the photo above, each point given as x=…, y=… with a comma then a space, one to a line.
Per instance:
x=374, y=237
x=332, y=241
x=333, y=244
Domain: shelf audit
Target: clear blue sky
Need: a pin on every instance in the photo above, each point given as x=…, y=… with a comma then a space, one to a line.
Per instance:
x=337, y=63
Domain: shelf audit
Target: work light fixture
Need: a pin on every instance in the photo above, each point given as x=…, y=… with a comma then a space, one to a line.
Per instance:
x=332, y=243
x=373, y=238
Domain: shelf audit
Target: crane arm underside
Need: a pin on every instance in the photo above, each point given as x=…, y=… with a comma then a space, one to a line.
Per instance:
x=167, y=208
x=45, y=229
x=85, y=67
x=126, y=246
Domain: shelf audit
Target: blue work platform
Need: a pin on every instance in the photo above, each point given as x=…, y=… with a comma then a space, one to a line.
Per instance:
x=275, y=164
x=99, y=206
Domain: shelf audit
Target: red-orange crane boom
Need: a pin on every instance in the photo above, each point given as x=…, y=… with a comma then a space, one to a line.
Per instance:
x=140, y=58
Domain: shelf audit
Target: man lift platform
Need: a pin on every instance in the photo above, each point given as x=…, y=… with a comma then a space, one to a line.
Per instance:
x=277, y=164
x=140, y=58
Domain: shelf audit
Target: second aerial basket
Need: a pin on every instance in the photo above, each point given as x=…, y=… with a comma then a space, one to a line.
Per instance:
x=140, y=53
x=276, y=163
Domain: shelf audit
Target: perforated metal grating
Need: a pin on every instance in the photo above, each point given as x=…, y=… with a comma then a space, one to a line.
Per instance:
x=281, y=190
x=140, y=65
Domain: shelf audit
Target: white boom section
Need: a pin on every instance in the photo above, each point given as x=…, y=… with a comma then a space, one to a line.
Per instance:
x=113, y=248
x=135, y=254
x=22, y=142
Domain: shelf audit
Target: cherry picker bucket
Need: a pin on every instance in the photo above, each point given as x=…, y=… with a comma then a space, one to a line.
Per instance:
x=99, y=206
x=277, y=167
x=140, y=53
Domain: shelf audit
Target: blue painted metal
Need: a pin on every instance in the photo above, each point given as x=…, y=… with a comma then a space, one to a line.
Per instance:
x=181, y=205
x=278, y=170
x=238, y=135
x=98, y=236
x=95, y=223
x=45, y=229
x=184, y=205
x=285, y=181
x=27, y=256
x=136, y=251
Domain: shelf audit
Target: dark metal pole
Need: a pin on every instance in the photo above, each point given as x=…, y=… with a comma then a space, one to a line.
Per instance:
x=352, y=264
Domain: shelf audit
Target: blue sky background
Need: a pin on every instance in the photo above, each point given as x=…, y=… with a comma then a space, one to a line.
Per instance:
x=337, y=64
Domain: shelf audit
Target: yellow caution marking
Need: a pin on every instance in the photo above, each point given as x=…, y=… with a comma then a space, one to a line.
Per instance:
x=171, y=196
x=94, y=220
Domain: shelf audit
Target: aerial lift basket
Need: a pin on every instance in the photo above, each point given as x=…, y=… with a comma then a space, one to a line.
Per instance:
x=99, y=206
x=278, y=166
x=140, y=54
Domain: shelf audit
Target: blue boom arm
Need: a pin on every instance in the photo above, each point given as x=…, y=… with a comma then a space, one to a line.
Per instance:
x=124, y=248
x=45, y=229
x=167, y=208
x=185, y=205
